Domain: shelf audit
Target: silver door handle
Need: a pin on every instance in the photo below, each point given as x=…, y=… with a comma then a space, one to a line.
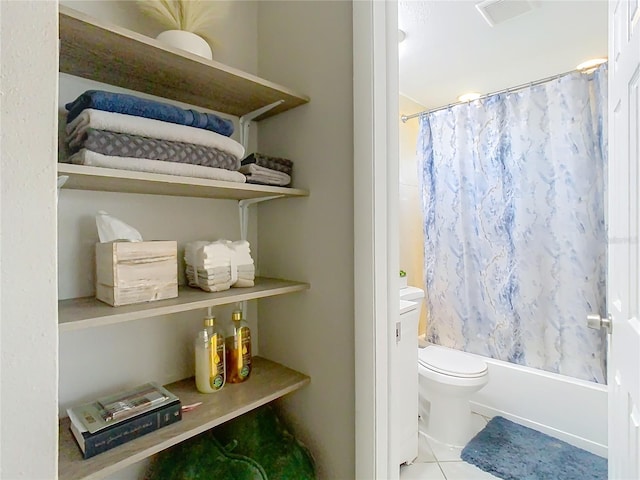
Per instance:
x=596, y=322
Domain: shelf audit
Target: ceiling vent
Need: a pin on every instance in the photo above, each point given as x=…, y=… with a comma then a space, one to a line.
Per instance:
x=498, y=11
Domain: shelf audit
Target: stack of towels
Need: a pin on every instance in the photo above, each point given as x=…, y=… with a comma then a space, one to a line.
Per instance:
x=113, y=130
x=266, y=170
x=217, y=266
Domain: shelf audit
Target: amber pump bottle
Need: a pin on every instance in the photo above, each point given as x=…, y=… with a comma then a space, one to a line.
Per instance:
x=218, y=359
x=210, y=358
x=238, y=349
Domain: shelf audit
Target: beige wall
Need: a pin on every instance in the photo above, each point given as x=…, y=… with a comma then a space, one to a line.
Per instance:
x=308, y=47
x=411, y=236
x=29, y=330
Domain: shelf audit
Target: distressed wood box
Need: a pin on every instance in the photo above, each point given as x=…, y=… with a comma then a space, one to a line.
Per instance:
x=136, y=272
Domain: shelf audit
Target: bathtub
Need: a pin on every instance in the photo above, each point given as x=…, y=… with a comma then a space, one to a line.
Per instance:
x=563, y=407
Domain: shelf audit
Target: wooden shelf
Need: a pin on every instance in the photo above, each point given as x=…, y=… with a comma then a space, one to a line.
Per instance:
x=87, y=312
x=92, y=49
x=268, y=381
x=82, y=177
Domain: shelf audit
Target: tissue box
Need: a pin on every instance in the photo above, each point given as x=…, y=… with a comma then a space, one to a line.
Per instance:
x=136, y=272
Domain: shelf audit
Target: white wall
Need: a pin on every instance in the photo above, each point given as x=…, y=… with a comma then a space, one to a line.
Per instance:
x=308, y=47
x=29, y=428
x=411, y=234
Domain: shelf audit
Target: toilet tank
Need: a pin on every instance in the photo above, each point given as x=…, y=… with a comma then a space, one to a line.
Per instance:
x=413, y=294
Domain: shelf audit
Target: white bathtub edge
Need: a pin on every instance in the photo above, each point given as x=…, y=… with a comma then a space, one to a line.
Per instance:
x=576, y=441
x=566, y=408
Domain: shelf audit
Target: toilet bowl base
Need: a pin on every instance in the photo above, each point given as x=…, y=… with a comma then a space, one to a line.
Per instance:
x=449, y=421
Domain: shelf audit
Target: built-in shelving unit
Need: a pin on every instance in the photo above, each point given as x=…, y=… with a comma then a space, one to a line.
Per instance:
x=106, y=53
x=87, y=312
x=82, y=177
x=94, y=50
x=268, y=381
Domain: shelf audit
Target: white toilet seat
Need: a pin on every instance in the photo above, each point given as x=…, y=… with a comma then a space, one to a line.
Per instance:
x=446, y=361
x=447, y=378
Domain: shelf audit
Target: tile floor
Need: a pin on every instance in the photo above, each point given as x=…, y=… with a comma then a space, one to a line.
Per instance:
x=440, y=462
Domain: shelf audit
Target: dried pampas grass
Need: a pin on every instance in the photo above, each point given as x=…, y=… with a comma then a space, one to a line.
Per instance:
x=193, y=16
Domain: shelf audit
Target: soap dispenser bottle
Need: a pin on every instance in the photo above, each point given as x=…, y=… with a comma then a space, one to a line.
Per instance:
x=210, y=358
x=238, y=349
x=217, y=354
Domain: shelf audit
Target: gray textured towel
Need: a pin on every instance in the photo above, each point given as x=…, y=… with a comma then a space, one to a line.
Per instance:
x=135, y=146
x=274, y=163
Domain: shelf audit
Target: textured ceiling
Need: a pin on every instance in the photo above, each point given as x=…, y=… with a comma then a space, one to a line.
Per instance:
x=450, y=49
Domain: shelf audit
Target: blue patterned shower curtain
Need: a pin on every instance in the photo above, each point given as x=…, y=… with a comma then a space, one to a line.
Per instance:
x=514, y=221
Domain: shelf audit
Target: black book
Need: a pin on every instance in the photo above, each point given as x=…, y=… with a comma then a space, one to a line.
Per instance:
x=92, y=444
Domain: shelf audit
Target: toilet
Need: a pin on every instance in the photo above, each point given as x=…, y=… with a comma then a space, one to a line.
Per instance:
x=447, y=378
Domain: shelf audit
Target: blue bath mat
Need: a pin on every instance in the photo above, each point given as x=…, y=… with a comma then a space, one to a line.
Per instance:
x=513, y=452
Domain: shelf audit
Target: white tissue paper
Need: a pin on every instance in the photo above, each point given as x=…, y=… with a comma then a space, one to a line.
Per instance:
x=111, y=229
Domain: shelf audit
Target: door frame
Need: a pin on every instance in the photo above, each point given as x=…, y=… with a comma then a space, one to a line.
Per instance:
x=376, y=252
x=376, y=201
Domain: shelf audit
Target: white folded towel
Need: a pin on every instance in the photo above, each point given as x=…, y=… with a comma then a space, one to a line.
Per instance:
x=211, y=265
x=204, y=281
x=243, y=259
x=211, y=271
x=93, y=159
x=201, y=250
x=211, y=288
x=241, y=244
x=217, y=278
x=256, y=173
x=242, y=252
x=217, y=262
x=210, y=283
x=202, y=255
x=209, y=250
x=147, y=127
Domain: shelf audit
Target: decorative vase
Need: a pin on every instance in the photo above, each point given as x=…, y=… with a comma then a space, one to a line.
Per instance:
x=187, y=41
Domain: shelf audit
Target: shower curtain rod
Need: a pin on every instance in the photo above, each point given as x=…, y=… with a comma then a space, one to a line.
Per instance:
x=404, y=118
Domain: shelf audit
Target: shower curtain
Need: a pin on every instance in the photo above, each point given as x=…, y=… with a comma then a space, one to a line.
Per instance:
x=513, y=208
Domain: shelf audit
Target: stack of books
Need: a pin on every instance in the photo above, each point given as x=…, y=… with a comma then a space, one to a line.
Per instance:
x=110, y=421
